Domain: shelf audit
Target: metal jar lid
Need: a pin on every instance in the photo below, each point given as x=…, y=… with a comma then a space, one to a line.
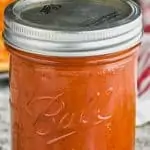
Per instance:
x=75, y=28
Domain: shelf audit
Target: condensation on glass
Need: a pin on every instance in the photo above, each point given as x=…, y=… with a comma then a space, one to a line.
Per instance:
x=73, y=73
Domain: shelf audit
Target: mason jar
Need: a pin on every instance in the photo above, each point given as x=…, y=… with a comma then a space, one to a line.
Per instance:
x=73, y=73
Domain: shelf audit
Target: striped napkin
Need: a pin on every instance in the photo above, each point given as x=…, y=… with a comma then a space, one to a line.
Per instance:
x=143, y=103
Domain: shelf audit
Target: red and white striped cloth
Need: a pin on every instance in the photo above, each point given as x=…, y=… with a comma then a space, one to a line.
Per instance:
x=144, y=67
x=143, y=103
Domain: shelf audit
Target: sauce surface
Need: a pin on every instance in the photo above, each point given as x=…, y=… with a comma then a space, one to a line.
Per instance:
x=73, y=103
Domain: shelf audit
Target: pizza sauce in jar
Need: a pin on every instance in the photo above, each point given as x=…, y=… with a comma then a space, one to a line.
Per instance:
x=73, y=73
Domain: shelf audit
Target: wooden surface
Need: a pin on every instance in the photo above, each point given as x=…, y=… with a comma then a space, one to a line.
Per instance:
x=142, y=133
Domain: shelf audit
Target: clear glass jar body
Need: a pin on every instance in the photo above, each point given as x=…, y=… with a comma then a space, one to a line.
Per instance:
x=78, y=103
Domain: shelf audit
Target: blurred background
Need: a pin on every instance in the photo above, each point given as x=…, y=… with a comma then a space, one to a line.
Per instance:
x=143, y=82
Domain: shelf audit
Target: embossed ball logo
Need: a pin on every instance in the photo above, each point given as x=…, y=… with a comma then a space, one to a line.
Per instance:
x=54, y=117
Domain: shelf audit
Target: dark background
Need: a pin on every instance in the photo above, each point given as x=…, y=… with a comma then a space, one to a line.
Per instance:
x=137, y=1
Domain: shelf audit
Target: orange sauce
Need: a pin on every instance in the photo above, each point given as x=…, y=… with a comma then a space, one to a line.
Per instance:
x=4, y=56
x=85, y=103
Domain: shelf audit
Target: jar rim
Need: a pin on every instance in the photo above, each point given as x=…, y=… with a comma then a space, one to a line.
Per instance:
x=23, y=35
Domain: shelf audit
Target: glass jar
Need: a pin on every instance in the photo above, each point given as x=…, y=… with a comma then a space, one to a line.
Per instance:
x=73, y=74
x=4, y=57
